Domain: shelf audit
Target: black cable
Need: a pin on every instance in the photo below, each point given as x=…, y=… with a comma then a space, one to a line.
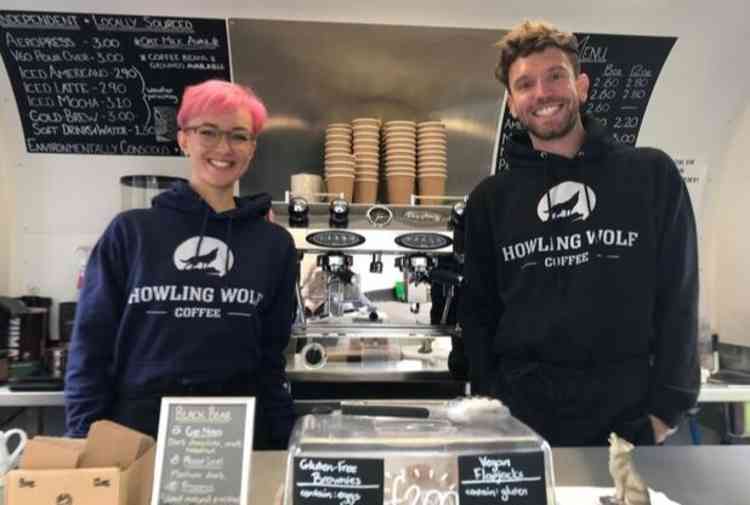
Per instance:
x=12, y=417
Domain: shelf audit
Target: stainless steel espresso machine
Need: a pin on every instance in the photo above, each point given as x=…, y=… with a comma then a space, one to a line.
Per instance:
x=365, y=281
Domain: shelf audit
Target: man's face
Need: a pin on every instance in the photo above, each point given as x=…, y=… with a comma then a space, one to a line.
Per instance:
x=545, y=95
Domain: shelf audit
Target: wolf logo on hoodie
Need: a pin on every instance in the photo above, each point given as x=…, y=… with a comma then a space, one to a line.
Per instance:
x=570, y=201
x=210, y=259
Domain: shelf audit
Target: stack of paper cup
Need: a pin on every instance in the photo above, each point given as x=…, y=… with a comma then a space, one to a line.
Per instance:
x=366, y=146
x=400, y=160
x=339, y=161
x=432, y=161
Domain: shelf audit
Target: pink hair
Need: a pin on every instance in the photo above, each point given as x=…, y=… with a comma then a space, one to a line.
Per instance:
x=217, y=97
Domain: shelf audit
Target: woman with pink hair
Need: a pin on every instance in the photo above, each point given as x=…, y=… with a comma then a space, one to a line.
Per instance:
x=194, y=296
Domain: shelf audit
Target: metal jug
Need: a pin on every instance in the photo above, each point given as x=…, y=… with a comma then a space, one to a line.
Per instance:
x=8, y=460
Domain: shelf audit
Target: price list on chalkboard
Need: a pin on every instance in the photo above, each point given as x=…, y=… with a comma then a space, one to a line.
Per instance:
x=203, y=451
x=106, y=84
x=517, y=478
x=349, y=481
x=622, y=71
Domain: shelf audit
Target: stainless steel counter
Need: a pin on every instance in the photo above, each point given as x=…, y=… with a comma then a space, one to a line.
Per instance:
x=384, y=371
x=412, y=365
x=9, y=398
x=710, y=393
x=687, y=475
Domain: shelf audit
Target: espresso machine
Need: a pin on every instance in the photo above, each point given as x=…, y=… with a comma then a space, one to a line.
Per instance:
x=364, y=291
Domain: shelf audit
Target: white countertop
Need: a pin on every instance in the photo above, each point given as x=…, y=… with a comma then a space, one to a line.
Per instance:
x=721, y=393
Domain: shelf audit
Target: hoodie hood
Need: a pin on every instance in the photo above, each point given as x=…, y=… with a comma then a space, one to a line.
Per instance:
x=520, y=152
x=183, y=198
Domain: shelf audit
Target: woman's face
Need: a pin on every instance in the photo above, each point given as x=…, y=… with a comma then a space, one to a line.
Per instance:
x=220, y=147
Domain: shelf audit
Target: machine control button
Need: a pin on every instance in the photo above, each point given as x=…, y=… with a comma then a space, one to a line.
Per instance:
x=298, y=212
x=338, y=213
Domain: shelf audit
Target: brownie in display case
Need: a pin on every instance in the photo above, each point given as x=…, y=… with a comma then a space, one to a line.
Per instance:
x=463, y=452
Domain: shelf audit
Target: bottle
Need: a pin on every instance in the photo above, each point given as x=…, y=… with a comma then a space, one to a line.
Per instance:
x=82, y=252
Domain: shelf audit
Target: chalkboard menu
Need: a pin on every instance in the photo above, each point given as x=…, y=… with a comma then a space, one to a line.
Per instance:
x=517, y=478
x=349, y=481
x=622, y=71
x=203, y=451
x=104, y=84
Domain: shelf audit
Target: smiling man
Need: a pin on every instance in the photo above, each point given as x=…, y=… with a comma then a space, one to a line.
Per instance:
x=580, y=311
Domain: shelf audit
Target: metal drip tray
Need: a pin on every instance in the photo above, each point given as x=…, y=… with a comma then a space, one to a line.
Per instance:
x=372, y=330
x=730, y=377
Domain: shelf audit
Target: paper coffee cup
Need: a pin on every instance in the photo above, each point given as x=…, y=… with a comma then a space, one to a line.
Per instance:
x=431, y=185
x=340, y=184
x=365, y=190
x=400, y=188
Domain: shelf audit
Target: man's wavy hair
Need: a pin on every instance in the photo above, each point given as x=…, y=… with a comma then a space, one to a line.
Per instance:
x=532, y=37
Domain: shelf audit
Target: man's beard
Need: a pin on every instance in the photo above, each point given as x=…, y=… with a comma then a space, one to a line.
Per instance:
x=555, y=133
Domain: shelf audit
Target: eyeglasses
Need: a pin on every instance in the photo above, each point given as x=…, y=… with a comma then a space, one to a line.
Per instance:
x=210, y=136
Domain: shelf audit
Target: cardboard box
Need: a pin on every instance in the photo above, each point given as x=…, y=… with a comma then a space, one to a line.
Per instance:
x=108, y=485
x=111, y=444
x=41, y=454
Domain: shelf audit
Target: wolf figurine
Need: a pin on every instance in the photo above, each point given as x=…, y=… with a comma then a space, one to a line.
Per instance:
x=630, y=489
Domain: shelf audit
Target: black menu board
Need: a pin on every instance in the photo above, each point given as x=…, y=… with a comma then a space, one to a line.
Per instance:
x=517, y=478
x=622, y=71
x=203, y=451
x=348, y=481
x=105, y=84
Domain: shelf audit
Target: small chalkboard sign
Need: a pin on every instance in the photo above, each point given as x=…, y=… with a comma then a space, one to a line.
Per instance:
x=322, y=481
x=622, y=71
x=106, y=84
x=203, y=451
x=517, y=478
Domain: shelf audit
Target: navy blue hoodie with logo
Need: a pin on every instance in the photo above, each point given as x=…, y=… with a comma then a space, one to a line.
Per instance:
x=179, y=292
x=580, y=310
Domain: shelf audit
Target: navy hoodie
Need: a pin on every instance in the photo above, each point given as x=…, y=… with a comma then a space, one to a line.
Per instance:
x=178, y=292
x=582, y=293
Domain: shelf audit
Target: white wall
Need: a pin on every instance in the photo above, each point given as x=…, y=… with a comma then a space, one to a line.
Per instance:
x=59, y=202
x=7, y=220
x=730, y=254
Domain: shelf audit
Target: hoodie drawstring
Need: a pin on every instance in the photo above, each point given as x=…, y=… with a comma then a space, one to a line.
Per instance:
x=203, y=229
x=228, y=241
x=550, y=181
x=596, y=243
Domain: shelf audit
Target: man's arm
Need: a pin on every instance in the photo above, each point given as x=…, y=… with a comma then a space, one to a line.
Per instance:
x=675, y=380
x=274, y=394
x=89, y=388
x=480, y=306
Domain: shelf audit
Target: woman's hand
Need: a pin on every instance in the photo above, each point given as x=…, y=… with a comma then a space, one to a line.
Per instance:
x=279, y=498
x=661, y=429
